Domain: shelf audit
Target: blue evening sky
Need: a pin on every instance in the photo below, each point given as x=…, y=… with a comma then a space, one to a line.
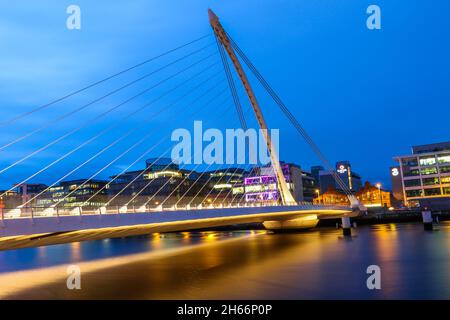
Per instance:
x=363, y=95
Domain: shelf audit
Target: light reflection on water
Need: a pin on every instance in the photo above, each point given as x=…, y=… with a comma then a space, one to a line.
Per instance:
x=319, y=264
x=30, y=258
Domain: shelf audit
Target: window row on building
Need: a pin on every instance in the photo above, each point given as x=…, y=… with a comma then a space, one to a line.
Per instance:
x=423, y=178
x=163, y=182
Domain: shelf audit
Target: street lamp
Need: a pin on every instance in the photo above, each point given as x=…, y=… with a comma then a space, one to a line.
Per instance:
x=379, y=192
x=318, y=194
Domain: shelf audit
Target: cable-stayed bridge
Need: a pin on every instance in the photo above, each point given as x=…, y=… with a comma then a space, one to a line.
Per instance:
x=142, y=201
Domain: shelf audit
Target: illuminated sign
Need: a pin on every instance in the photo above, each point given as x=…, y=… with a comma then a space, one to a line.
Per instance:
x=262, y=196
x=341, y=169
x=395, y=172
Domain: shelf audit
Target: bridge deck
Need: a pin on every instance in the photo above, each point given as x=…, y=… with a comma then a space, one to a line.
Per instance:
x=96, y=226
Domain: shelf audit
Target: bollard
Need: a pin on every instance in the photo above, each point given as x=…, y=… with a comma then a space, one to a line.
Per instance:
x=346, y=226
x=427, y=220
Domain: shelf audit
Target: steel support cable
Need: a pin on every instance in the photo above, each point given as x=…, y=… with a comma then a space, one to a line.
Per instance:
x=238, y=109
x=148, y=150
x=233, y=89
x=112, y=144
x=87, y=123
x=210, y=191
x=139, y=175
x=198, y=178
x=293, y=120
x=290, y=116
x=232, y=85
x=237, y=105
x=201, y=189
x=192, y=185
x=145, y=137
x=169, y=149
x=204, y=185
x=148, y=184
x=165, y=168
x=101, y=133
x=273, y=168
x=25, y=114
x=240, y=199
x=80, y=166
x=198, y=193
x=226, y=62
x=243, y=194
x=243, y=187
x=82, y=107
x=230, y=191
x=162, y=187
x=106, y=166
x=181, y=183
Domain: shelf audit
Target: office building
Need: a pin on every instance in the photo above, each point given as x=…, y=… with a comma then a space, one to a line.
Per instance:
x=261, y=184
x=21, y=194
x=222, y=183
x=75, y=193
x=425, y=176
x=326, y=179
x=315, y=172
x=162, y=181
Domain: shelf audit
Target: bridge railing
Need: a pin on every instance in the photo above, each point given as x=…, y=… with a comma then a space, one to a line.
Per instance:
x=38, y=212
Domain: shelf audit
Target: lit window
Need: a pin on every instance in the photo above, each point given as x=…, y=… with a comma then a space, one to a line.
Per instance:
x=430, y=181
x=428, y=161
x=445, y=158
x=445, y=180
x=426, y=171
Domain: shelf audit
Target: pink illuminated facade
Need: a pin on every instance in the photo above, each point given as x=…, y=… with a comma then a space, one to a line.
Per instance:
x=262, y=187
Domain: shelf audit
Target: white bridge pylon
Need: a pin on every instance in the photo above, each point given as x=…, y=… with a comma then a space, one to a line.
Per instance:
x=286, y=196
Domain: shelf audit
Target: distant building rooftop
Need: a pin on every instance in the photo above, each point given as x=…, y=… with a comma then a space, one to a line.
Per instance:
x=429, y=148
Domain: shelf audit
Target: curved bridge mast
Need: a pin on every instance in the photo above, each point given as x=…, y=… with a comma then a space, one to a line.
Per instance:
x=221, y=35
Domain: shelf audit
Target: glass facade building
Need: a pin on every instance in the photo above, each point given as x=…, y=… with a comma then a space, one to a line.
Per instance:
x=75, y=193
x=425, y=175
x=162, y=181
x=261, y=184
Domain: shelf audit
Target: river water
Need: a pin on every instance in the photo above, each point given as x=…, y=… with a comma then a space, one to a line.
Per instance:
x=317, y=264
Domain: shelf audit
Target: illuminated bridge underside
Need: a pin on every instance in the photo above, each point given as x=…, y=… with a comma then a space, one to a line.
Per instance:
x=24, y=232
